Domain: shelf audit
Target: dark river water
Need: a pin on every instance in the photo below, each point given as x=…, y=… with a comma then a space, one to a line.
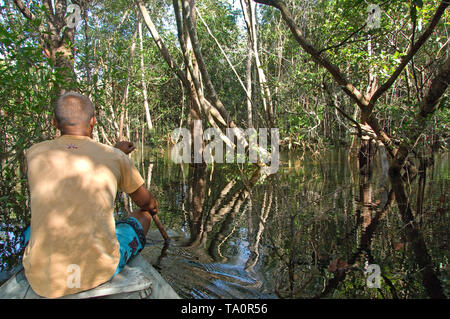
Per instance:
x=312, y=230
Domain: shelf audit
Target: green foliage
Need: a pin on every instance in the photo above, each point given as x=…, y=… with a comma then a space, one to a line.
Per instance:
x=27, y=80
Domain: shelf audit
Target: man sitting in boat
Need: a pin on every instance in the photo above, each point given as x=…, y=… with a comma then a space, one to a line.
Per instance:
x=73, y=243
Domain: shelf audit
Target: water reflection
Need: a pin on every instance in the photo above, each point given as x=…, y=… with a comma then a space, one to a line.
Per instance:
x=308, y=231
x=214, y=256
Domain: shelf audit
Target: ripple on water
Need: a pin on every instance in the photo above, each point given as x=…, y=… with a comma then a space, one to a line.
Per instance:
x=194, y=275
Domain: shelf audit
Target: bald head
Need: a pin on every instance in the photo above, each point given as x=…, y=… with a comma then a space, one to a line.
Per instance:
x=73, y=110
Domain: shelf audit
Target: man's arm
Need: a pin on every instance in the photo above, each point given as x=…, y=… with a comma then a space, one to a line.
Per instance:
x=142, y=196
x=145, y=200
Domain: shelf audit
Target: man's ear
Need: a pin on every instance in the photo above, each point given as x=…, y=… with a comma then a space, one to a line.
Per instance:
x=93, y=121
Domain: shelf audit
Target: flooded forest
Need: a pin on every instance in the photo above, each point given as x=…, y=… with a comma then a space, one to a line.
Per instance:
x=349, y=98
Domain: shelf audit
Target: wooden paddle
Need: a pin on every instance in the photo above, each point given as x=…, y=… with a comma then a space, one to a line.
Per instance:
x=160, y=227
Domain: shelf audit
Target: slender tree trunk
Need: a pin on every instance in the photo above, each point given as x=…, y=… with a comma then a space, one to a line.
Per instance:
x=126, y=88
x=143, y=82
x=248, y=74
x=249, y=9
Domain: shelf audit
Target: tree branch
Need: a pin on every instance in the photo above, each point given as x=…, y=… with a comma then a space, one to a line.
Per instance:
x=348, y=88
x=412, y=50
x=345, y=41
x=428, y=106
x=24, y=9
x=160, y=44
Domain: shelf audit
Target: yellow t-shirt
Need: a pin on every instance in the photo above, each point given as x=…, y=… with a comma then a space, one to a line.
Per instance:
x=73, y=182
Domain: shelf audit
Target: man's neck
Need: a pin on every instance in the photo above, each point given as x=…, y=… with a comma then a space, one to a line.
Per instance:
x=76, y=131
x=75, y=134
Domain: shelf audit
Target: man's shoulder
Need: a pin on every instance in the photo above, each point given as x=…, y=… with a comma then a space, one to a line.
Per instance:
x=39, y=146
x=110, y=151
x=105, y=147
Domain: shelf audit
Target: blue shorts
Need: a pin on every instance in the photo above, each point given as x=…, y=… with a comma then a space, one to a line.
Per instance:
x=129, y=233
x=131, y=239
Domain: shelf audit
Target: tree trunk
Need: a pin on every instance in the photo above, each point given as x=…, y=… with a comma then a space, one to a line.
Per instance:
x=57, y=40
x=249, y=9
x=248, y=74
x=143, y=82
x=124, y=100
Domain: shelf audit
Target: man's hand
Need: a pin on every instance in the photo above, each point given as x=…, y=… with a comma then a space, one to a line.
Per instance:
x=126, y=147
